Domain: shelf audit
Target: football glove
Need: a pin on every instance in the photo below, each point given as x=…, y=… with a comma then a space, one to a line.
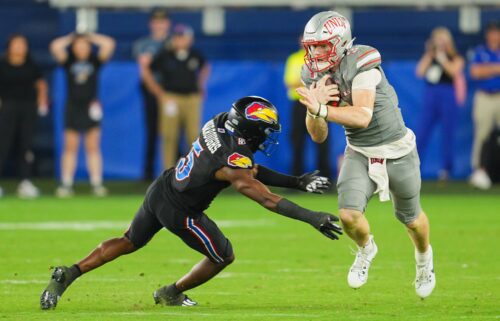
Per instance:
x=312, y=183
x=325, y=224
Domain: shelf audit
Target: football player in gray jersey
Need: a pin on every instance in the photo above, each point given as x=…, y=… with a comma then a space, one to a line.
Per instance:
x=345, y=84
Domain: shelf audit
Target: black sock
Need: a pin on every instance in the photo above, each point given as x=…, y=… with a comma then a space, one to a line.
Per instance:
x=173, y=290
x=74, y=273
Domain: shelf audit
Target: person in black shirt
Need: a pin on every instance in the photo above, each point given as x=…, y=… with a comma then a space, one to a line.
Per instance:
x=222, y=155
x=183, y=72
x=442, y=68
x=83, y=110
x=22, y=89
x=144, y=50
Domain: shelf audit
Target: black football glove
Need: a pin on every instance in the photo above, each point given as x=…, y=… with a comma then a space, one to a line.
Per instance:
x=325, y=224
x=312, y=183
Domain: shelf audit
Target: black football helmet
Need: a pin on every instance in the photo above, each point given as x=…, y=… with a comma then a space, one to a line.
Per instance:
x=256, y=120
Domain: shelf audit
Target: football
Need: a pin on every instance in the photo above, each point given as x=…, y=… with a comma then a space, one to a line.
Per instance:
x=329, y=81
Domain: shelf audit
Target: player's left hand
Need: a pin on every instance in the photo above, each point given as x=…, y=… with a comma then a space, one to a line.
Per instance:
x=327, y=226
x=312, y=183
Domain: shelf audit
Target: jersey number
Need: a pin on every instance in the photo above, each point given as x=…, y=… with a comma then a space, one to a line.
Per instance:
x=185, y=165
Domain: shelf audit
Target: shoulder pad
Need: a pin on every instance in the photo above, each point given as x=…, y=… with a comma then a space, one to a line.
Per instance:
x=363, y=58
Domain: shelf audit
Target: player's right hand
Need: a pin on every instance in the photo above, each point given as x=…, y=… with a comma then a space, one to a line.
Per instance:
x=327, y=226
x=324, y=92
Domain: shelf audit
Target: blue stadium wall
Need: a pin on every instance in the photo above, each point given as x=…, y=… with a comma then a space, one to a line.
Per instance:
x=123, y=124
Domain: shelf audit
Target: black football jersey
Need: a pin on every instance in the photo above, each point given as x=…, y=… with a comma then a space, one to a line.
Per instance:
x=191, y=185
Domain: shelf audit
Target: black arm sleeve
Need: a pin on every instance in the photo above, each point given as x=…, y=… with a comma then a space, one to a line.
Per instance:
x=272, y=178
x=292, y=210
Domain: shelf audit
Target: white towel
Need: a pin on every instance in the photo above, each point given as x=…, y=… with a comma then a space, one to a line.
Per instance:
x=377, y=160
x=377, y=171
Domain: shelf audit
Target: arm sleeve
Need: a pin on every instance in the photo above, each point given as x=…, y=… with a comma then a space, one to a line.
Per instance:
x=367, y=79
x=37, y=72
x=155, y=64
x=272, y=178
x=203, y=61
x=292, y=210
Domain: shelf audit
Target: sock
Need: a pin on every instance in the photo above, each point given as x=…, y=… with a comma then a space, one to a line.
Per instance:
x=423, y=258
x=172, y=290
x=96, y=181
x=368, y=247
x=74, y=273
x=67, y=181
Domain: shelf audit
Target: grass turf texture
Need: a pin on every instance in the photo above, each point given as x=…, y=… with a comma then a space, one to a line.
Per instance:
x=284, y=270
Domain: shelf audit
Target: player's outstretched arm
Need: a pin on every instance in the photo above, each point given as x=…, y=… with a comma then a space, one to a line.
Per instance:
x=244, y=182
x=308, y=182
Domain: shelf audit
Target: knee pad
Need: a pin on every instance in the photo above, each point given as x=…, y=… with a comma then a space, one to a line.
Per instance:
x=407, y=215
x=353, y=200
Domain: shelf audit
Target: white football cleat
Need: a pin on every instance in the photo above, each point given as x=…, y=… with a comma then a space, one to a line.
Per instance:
x=99, y=191
x=425, y=281
x=480, y=179
x=358, y=274
x=64, y=192
x=27, y=190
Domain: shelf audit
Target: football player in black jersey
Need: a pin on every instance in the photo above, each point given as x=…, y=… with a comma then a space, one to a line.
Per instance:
x=220, y=157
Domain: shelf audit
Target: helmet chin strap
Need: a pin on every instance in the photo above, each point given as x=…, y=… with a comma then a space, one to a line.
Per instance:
x=347, y=47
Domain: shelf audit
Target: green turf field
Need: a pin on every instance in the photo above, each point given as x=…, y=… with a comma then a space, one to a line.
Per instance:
x=284, y=270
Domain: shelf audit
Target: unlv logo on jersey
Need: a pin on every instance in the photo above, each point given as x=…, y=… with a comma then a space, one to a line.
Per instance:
x=238, y=160
x=257, y=111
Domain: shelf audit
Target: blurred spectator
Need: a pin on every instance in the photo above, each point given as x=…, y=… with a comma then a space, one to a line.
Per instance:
x=145, y=49
x=22, y=89
x=442, y=68
x=184, y=73
x=298, y=135
x=83, y=110
x=485, y=68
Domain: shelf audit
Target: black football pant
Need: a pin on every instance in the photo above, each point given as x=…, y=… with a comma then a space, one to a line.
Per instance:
x=298, y=139
x=198, y=232
x=151, y=118
x=17, y=125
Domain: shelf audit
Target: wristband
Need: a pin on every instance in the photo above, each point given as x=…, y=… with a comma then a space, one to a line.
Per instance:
x=323, y=111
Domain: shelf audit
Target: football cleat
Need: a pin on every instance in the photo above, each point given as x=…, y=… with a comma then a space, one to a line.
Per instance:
x=27, y=190
x=165, y=296
x=64, y=192
x=358, y=274
x=57, y=285
x=425, y=280
x=99, y=191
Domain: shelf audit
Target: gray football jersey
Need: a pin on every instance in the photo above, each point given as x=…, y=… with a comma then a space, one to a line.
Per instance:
x=387, y=123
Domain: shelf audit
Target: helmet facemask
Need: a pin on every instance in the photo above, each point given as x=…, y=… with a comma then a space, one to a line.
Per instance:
x=271, y=142
x=328, y=60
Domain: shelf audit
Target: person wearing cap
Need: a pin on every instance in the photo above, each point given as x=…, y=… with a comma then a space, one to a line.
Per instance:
x=144, y=51
x=183, y=71
x=485, y=69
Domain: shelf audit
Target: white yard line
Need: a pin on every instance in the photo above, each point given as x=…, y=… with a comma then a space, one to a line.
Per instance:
x=110, y=225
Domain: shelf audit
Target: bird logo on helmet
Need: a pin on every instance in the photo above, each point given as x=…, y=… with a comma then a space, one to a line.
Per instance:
x=331, y=31
x=258, y=111
x=256, y=120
